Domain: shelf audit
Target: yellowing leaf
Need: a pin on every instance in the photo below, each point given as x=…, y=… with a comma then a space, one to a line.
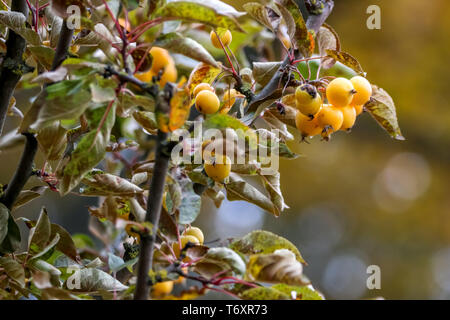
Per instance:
x=202, y=73
x=264, y=242
x=382, y=108
x=212, y=12
x=264, y=293
x=180, y=105
x=346, y=59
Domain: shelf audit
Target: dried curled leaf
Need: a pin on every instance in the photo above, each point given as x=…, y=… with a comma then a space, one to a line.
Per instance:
x=382, y=108
x=103, y=184
x=220, y=259
x=277, y=267
x=327, y=38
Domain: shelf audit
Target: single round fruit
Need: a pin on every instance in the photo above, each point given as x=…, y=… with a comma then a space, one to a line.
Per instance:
x=218, y=171
x=196, y=232
x=145, y=76
x=307, y=100
x=202, y=86
x=228, y=100
x=225, y=37
x=363, y=90
x=340, y=92
x=184, y=241
x=161, y=58
x=330, y=117
x=169, y=75
x=359, y=109
x=308, y=127
x=349, y=114
x=162, y=288
x=207, y=102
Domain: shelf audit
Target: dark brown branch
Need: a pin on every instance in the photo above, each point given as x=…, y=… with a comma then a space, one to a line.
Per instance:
x=153, y=214
x=64, y=41
x=23, y=171
x=12, y=65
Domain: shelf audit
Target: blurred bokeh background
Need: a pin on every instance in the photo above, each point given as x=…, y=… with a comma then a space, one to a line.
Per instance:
x=361, y=199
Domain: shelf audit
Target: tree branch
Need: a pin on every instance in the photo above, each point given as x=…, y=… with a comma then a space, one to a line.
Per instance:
x=12, y=65
x=23, y=171
x=154, y=204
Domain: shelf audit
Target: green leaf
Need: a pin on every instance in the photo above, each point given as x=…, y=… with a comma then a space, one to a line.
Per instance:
x=220, y=259
x=285, y=152
x=346, y=59
x=280, y=266
x=212, y=12
x=264, y=242
x=302, y=293
x=17, y=22
x=100, y=37
x=45, y=267
x=43, y=54
x=239, y=190
x=126, y=103
x=263, y=14
x=95, y=280
x=40, y=234
x=177, y=43
x=13, y=269
x=12, y=240
x=65, y=100
x=382, y=108
x=264, y=71
x=264, y=293
x=190, y=202
x=65, y=244
x=147, y=120
x=26, y=196
x=48, y=247
x=103, y=90
x=89, y=152
x=4, y=216
x=52, y=140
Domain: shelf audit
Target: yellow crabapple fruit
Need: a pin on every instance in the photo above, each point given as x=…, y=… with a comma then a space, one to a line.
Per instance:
x=359, y=109
x=184, y=241
x=207, y=102
x=349, y=114
x=340, y=92
x=229, y=99
x=161, y=58
x=308, y=127
x=363, y=90
x=307, y=100
x=218, y=168
x=330, y=117
x=225, y=37
x=196, y=232
x=162, y=288
x=169, y=75
x=202, y=86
